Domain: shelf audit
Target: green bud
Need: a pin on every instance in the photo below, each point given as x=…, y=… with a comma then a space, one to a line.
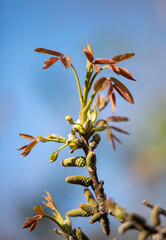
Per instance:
x=90, y=198
x=88, y=208
x=143, y=235
x=78, y=128
x=64, y=234
x=80, y=235
x=105, y=225
x=96, y=217
x=91, y=160
x=74, y=162
x=87, y=125
x=69, y=120
x=155, y=219
x=77, y=213
x=54, y=156
x=56, y=137
x=94, y=141
x=80, y=180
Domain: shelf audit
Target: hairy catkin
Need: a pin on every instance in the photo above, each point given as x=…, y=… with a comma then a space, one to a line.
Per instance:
x=90, y=198
x=80, y=235
x=80, y=180
x=74, y=162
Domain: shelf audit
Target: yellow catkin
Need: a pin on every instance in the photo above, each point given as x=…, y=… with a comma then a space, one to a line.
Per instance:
x=80, y=180
x=88, y=208
x=96, y=217
x=91, y=159
x=80, y=235
x=77, y=213
x=143, y=235
x=74, y=162
x=89, y=198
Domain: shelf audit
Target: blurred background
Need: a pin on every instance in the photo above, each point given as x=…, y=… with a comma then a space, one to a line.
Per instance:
x=36, y=101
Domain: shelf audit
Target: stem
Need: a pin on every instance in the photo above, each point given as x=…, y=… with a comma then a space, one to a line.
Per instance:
x=78, y=84
x=65, y=145
x=54, y=220
x=85, y=110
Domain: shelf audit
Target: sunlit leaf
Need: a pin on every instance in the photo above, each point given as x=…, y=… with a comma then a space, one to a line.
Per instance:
x=38, y=210
x=96, y=67
x=101, y=84
x=49, y=62
x=26, y=136
x=119, y=130
x=47, y=51
x=122, y=90
x=123, y=57
x=114, y=68
x=103, y=61
x=88, y=54
x=66, y=61
x=117, y=119
x=125, y=73
x=89, y=48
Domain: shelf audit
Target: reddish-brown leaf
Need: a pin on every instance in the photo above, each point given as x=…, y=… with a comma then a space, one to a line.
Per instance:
x=88, y=54
x=22, y=147
x=116, y=138
x=111, y=138
x=119, y=130
x=122, y=90
x=66, y=61
x=26, y=136
x=123, y=57
x=110, y=91
x=47, y=51
x=38, y=210
x=113, y=102
x=102, y=101
x=89, y=48
x=98, y=101
x=117, y=119
x=125, y=73
x=49, y=62
x=101, y=122
x=103, y=61
x=28, y=148
x=114, y=68
x=101, y=84
x=96, y=67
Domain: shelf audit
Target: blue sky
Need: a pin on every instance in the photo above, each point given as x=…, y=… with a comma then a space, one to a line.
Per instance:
x=36, y=101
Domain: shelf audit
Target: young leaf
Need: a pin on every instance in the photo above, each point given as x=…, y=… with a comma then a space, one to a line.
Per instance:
x=119, y=130
x=101, y=84
x=122, y=90
x=117, y=119
x=114, y=68
x=88, y=54
x=26, y=136
x=102, y=101
x=117, y=139
x=109, y=93
x=113, y=101
x=49, y=62
x=111, y=138
x=47, y=51
x=98, y=101
x=125, y=73
x=123, y=57
x=103, y=61
x=96, y=67
x=66, y=61
x=38, y=210
x=28, y=148
x=89, y=48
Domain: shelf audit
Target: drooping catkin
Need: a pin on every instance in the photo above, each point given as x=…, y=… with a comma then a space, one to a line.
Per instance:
x=155, y=218
x=90, y=198
x=80, y=180
x=104, y=221
x=96, y=217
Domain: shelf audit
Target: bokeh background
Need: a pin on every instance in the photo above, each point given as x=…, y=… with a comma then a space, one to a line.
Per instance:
x=36, y=101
